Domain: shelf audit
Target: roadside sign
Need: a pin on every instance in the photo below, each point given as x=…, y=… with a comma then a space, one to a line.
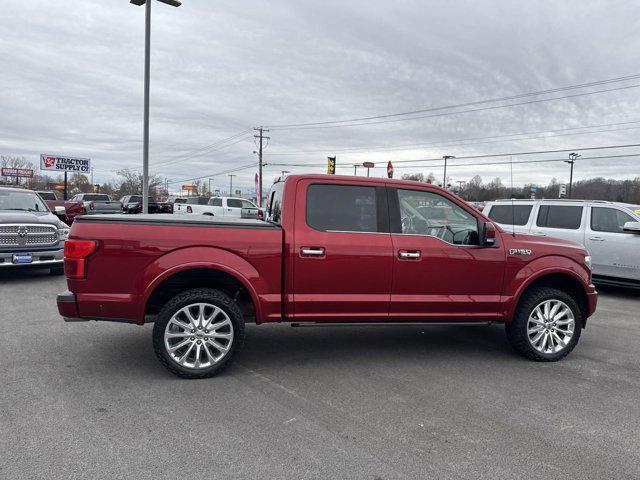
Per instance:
x=238, y=193
x=331, y=165
x=563, y=191
x=368, y=164
x=58, y=186
x=65, y=164
x=390, y=169
x=17, y=172
x=187, y=187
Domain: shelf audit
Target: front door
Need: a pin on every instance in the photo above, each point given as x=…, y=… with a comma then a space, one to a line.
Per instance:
x=440, y=271
x=342, y=258
x=614, y=252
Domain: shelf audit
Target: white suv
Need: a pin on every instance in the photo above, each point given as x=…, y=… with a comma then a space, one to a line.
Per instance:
x=216, y=206
x=610, y=231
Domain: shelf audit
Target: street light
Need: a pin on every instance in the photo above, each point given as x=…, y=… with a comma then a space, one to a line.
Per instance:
x=571, y=161
x=147, y=64
x=446, y=157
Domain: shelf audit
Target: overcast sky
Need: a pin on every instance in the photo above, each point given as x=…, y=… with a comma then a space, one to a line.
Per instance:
x=72, y=71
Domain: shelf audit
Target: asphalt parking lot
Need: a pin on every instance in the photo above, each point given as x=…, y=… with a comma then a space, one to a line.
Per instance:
x=90, y=400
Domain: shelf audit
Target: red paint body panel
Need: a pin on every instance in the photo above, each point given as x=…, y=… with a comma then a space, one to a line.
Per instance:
x=72, y=209
x=359, y=276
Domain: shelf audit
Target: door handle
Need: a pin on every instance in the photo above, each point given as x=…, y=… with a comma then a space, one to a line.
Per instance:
x=539, y=234
x=312, y=251
x=597, y=239
x=413, y=255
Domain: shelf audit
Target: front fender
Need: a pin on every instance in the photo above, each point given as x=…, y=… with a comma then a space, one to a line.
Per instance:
x=522, y=276
x=208, y=257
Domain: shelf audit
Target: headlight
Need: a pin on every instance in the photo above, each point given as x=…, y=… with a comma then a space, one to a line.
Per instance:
x=63, y=233
x=587, y=261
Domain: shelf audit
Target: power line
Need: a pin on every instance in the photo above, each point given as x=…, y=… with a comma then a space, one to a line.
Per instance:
x=450, y=143
x=469, y=157
x=494, y=107
x=467, y=104
x=231, y=170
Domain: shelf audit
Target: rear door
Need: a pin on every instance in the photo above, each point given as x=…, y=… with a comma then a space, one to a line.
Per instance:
x=614, y=252
x=342, y=258
x=562, y=220
x=233, y=207
x=440, y=271
x=215, y=206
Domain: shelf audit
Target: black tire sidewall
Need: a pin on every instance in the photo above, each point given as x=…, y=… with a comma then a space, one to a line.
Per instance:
x=198, y=295
x=517, y=329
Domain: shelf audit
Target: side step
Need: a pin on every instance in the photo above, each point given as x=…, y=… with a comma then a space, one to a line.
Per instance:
x=391, y=324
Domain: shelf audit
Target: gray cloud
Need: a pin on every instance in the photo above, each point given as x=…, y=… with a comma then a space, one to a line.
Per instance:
x=72, y=80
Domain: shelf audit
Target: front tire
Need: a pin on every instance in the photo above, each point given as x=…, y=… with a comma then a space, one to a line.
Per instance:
x=198, y=332
x=546, y=326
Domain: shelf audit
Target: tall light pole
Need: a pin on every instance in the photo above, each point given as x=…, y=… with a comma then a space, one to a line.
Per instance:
x=231, y=175
x=571, y=161
x=147, y=69
x=445, y=158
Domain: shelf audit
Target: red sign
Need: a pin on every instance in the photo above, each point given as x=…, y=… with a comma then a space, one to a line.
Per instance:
x=368, y=164
x=389, y=169
x=17, y=172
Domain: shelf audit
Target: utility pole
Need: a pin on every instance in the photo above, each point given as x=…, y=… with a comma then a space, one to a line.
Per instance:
x=260, y=138
x=231, y=175
x=445, y=158
x=571, y=161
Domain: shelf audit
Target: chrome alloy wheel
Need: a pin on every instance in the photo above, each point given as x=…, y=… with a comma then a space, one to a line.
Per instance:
x=198, y=335
x=551, y=326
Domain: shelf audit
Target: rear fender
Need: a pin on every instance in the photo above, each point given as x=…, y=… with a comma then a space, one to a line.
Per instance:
x=207, y=257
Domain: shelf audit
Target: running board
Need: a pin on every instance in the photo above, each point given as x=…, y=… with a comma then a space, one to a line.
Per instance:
x=391, y=324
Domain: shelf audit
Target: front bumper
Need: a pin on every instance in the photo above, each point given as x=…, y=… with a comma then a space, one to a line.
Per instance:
x=592, y=300
x=41, y=258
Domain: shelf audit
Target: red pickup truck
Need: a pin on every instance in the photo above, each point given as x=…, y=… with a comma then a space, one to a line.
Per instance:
x=331, y=249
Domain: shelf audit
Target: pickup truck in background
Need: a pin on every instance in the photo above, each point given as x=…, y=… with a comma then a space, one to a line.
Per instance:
x=133, y=204
x=220, y=207
x=71, y=209
x=610, y=231
x=331, y=249
x=93, y=203
x=30, y=235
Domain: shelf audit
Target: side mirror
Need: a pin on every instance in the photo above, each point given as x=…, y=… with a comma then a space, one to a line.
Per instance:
x=633, y=227
x=59, y=210
x=487, y=234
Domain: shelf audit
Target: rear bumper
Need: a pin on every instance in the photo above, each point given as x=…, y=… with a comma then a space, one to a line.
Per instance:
x=42, y=258
x=68, y=309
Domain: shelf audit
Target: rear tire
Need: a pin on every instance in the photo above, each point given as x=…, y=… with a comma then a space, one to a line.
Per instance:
x=546, y=326
x=198, y=333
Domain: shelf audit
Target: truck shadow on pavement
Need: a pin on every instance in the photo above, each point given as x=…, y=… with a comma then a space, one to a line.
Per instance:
x=26, y=275
x=274, y=348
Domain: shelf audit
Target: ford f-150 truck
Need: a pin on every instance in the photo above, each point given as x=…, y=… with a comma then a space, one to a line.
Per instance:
x=331, y=249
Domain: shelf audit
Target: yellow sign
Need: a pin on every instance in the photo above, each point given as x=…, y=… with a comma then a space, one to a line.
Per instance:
x=331, y=165
x=187, y=187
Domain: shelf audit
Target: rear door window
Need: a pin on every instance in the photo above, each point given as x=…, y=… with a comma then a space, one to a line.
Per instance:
x=568, y=217
x=234, y=203
x=215, y=202
x=342, y=208
x=511, y=214
x=274, y=205
x=609, y=220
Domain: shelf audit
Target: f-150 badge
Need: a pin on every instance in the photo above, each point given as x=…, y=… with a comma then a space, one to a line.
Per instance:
x=519, y=251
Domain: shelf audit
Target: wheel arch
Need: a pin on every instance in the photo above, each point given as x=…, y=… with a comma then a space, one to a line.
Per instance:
x=217, y=268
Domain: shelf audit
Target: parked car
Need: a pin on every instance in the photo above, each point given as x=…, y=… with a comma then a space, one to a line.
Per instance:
x=220, y=207
x=610, y=231
x=332, y=250
x=30, y=235
x=133, y=204
x=176, y=200
x=71, y=209
x=93, y=203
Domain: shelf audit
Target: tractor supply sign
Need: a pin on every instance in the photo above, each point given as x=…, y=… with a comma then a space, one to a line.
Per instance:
x=65, y=164
x=17, y=172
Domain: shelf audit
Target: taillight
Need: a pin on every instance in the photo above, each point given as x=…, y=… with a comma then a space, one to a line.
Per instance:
x=260, y=213
x=189, y=209
x=75, y=254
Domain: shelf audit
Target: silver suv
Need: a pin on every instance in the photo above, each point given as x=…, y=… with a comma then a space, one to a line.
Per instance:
x=609, y=230
x=30, y=235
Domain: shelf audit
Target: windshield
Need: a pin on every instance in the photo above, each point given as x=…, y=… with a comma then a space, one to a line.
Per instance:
x=96, y=197
x=21, y=201
x=47, y=195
